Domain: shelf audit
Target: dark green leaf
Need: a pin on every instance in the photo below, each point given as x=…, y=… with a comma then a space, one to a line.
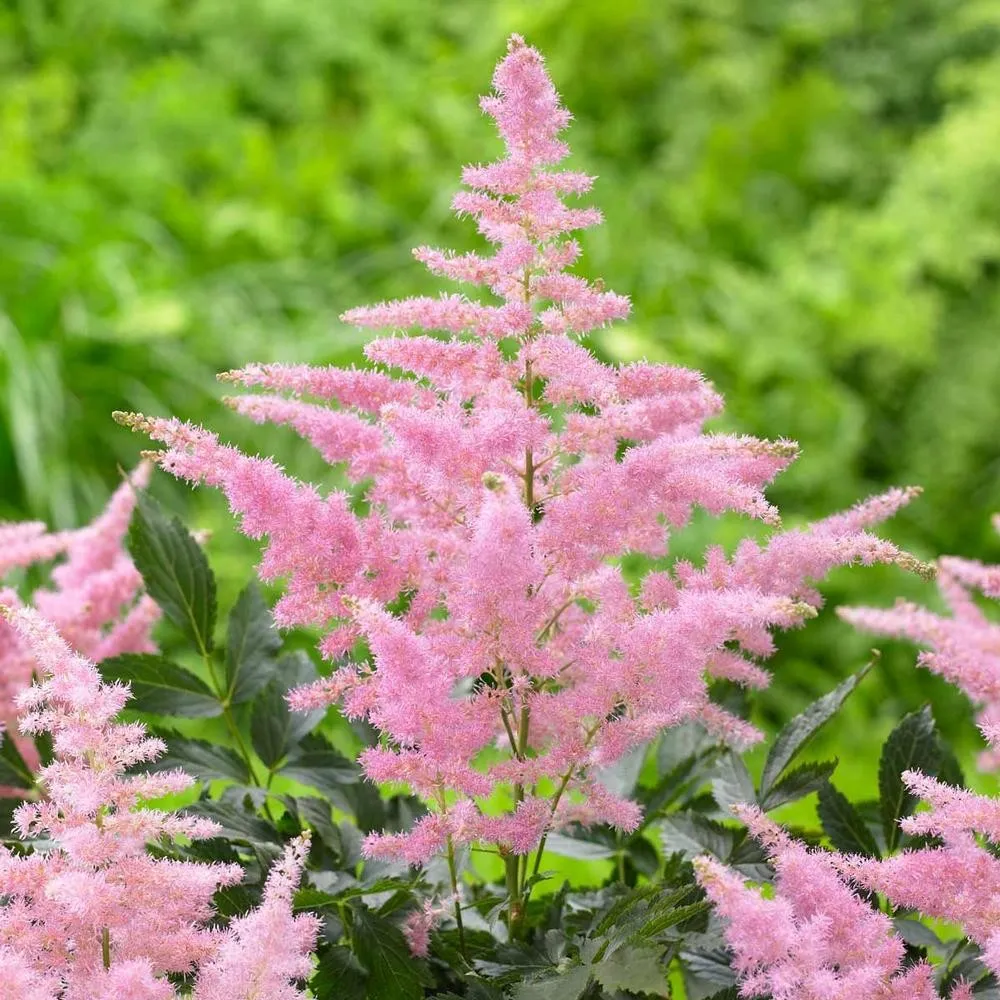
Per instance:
x=316, y=814
x=843, y=824
x=799, y=782
x=236, y=823
x=567, y=986
x=581, y=850
x=732, y=784
x=663, y=921
x=339, y=976
x=14, y=771
x=913, y=744
x=693, y=834
x=802, y=728
x=202, y=760
x=161, y=687
x=918, y=934
x=175, y=571
x=393, y=973
x=635, y=970
x=315, y=763
x=706, y=970
x=252, y=645
x=621, y=778
x=274, y=728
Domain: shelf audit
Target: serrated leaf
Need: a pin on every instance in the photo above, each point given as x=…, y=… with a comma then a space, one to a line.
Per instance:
x=686, y=776
x=707, y=970
x=339, y=976
x=274, y=728
x=912, y=745
x=14, y=771
x=799, y=782
x=803, y=727
x=202, y=760
x=567, y=986
x=175, y=571
x=732, y=784
x=581, y=850
x=161, y=687
x=252, y=645
x=316, y=814
x=315, y=763
x=621, y=777
x=918, y=934
x=664, y=921
x=843, y=824
x=236, y=823
x=635, y=970
x=693, y=834
x=393, y=973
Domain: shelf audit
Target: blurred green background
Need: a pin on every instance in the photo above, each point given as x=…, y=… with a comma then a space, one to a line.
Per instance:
x=803, y=200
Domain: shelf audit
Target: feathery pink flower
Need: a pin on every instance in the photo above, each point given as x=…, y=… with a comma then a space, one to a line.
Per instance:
x=508, y=471
x=264, y=952
x=94, y=597
x=96, y=899
x=815, y=939
x=958, y=881
x=964, y=647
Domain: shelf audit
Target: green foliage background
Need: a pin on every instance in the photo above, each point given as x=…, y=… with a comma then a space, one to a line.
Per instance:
x=801, y=199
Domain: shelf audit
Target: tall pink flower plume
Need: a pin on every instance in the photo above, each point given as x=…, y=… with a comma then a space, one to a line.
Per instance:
x=814, y=938
x=964, y=647
x=265, y=951
x=958, y=881
x=508, y=471
x=96, y=900
x=94, y=917
x=94, y=596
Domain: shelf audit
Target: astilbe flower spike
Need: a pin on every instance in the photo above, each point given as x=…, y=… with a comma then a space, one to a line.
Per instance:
x=507, y=472
x=964, y=647
x=957, y=880
x=94, y=596
x=265, y=951
x=96, y=901
x=814, y=938
x=89, y=914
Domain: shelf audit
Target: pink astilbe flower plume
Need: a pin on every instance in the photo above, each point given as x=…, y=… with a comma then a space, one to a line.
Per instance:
x=814, y=938
x=96, y=905
x=957, y=881
x=265, y=951
x=94, y=596
x=964, y=647
x=507, y=473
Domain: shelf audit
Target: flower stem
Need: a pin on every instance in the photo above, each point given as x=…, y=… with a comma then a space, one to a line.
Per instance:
x=453, y=872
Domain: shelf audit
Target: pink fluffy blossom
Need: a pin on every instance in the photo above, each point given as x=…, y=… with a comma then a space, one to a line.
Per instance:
x=96, y=899
x=508, y=471
x=265, y=951
x=813, y=938
x=957, y=881
x=93, y=916
x=963, y=647
x=94, y=596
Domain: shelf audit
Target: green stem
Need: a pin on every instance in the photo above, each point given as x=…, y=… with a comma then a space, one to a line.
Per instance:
x=515, y=909
x=453, y=872
x=106, y=947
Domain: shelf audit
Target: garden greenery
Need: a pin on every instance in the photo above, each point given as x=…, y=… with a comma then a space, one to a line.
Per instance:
x=513, y=667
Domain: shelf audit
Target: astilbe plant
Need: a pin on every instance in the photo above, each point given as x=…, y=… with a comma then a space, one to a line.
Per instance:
x=94, y=595
x=86, y=913
x=813, y=938
x=504, y=472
